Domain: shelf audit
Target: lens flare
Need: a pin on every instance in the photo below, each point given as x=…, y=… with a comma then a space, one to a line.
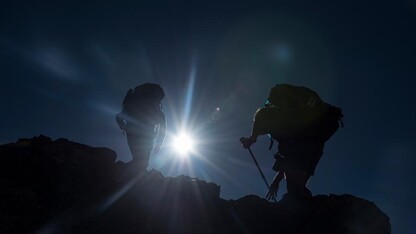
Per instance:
x=183, y=144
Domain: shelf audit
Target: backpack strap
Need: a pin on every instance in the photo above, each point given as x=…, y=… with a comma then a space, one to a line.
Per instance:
x=271, y=142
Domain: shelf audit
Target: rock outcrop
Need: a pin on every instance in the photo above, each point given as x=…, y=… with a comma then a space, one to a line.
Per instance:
x=65, y=187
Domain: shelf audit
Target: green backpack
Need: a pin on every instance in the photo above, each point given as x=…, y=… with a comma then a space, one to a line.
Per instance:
x=300, y=112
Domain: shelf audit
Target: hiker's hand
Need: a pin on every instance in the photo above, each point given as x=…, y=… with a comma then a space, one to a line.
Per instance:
x=272, y=191
x=247, y=141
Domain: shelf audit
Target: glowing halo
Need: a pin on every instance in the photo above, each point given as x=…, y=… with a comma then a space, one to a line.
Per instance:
x=183, y=144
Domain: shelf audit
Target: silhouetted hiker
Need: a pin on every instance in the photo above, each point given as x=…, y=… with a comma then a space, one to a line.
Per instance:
x=301, y=123
x=143, y=120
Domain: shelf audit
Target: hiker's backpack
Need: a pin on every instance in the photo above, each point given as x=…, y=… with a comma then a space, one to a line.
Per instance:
x=141, y=104
x=147, y=95
x=302, y=112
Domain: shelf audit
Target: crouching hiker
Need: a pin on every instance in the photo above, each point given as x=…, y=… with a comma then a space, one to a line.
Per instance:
x=301, y=123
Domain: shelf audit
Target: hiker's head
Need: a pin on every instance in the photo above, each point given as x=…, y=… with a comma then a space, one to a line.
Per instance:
x=263, y=119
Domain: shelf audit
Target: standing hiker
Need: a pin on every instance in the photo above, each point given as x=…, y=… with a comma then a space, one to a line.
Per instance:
x=143, y=121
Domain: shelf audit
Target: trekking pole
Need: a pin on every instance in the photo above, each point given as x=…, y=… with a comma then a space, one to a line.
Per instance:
x=261, y=172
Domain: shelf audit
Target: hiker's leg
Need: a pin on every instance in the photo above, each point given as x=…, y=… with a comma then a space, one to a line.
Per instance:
x=142, y=161
x=296, y=182
x=132, y=141
x=140, y=148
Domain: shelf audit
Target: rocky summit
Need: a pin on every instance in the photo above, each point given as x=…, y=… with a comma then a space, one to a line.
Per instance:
x=61, y=186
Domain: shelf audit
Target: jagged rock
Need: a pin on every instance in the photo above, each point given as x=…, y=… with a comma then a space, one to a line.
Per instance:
x=61, y=186
x=320, y=214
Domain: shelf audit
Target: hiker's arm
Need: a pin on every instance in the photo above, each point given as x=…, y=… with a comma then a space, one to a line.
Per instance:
x=162, y=132
x=255, y=132
x=279, y=177
x=274, y=187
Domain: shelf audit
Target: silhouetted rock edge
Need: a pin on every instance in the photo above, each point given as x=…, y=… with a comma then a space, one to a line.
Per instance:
x=66, y=187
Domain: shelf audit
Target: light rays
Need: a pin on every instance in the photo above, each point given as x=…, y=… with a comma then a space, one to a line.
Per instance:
x=198, y=112
x=183, y=144
x=189, y=95
x=184, y=154
x=56, y=61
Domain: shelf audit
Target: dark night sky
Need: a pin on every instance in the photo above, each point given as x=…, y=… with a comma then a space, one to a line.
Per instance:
x=65, y=68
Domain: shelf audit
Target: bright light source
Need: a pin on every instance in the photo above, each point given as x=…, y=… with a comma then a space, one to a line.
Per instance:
x=183, y=144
